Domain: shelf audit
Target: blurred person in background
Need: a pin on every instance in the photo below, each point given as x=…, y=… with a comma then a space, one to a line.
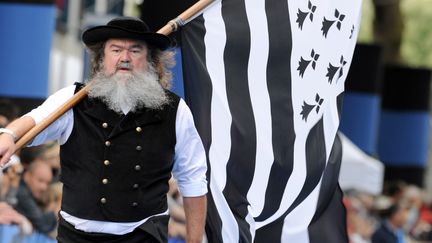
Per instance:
x=177, y=222
x=48, y=153
x=9, y=182
x=52, y=199
x=394, y=189
x=393, y=219
x=359, y=219
x=51, y=156
x=10, y=177
x=35, y=182
x=131, y=133
x=418, y=226
x=9, y=216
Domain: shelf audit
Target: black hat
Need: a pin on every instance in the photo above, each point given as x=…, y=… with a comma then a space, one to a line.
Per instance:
x=128, y=28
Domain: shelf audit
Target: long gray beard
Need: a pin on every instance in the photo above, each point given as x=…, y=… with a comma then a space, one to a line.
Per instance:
x=134, y=90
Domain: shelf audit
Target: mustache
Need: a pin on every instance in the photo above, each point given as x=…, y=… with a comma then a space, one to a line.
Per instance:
x=124, y=65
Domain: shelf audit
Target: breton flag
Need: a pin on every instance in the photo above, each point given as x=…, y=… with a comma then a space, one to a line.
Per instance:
x=264, y=80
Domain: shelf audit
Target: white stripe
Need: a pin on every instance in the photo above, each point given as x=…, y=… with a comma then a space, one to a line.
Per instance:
x=251, y=221
x=301, y=236
x=257, y=68
x=220, y=119
x=298, y=176
x=297, y=222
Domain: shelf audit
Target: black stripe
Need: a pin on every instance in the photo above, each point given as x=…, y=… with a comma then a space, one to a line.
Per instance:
x=213, y=227
x=339, y=103
x=279, y=87
x=197, y=82
x=315, y=162
x=198, y=92
x=331, y=225
x=330, y=178
x=243, y=131
x=270, y=233
x=330, y=201
x=29, y=1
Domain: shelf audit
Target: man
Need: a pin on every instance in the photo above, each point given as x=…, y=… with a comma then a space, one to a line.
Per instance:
x=48, y=153
x=35, y=182
x=120, y=144
x=391, y=227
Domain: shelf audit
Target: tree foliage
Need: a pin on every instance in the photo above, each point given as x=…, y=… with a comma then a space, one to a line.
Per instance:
x=416, y=50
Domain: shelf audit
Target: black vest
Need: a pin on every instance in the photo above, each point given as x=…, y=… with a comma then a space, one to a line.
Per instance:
x=116, y=167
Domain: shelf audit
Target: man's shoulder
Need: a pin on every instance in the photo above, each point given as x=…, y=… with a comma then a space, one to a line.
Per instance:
x=23, y=190
x=172, y=94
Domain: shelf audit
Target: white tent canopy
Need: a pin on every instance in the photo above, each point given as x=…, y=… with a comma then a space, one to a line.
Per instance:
x=360, y=171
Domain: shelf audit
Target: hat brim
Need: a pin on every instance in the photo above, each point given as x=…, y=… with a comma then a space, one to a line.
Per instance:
x=103, y=33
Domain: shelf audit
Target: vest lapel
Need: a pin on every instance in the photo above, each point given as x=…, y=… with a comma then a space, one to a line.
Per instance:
x=100, y=111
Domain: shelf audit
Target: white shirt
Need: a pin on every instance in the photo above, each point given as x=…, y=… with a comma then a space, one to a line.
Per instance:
x=189, y=167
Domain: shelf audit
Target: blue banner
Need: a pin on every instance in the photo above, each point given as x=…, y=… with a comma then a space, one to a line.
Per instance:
x=27, y=32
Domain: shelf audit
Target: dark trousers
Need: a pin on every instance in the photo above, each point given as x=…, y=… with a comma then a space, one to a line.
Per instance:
x=154, y=230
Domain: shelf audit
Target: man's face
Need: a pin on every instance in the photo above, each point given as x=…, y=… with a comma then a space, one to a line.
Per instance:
x=38, y=180
x=118, y=51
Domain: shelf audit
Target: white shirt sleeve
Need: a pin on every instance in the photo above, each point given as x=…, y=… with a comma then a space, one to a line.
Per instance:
x=190, y=165
x=62, y=127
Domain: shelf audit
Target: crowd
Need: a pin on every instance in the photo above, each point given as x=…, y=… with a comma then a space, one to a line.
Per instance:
x=402, y=214
x=30, y=190
x=30, y=197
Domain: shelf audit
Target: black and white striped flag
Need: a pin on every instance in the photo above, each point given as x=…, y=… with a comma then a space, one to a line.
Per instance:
x=264, y=79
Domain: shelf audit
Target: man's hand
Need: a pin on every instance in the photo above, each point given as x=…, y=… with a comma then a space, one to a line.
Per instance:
x=7, y=148
x=7, y=141
x=8, y=215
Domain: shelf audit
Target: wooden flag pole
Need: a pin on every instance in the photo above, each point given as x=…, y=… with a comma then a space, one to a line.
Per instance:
x=188, y=15
x=170, y=27
x=33, y=132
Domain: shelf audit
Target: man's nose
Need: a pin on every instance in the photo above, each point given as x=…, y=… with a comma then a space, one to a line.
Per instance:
x=125, y=56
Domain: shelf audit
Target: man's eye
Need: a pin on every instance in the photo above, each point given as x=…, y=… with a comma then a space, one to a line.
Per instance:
x=116, y=50
x=136, y=51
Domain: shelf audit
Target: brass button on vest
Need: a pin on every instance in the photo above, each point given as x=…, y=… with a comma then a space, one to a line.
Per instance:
x=135, y=186
x=106, y=162
x=107, y=143
x=104, y=125
x=139, y=129
x=138, y=148
x=134, y=204
x=105, y=181
x=103, y=200
x=137, y=167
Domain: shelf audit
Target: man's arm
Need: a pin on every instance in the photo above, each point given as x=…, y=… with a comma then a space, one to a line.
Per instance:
x=195, y=211
x=22, y=125
x=7, y=143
